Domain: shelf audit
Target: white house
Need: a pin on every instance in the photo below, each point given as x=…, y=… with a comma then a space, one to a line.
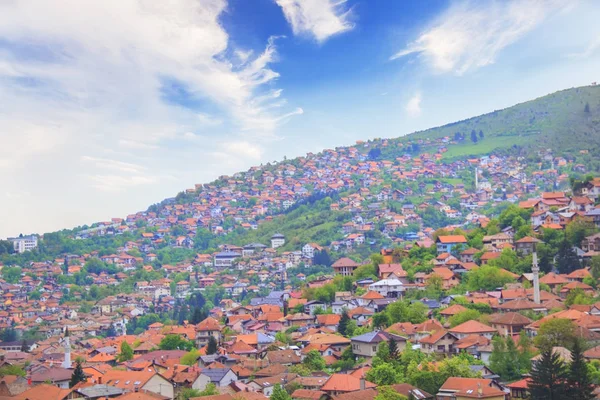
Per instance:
x=390, y=287
x=277, y=240
x=22, y=244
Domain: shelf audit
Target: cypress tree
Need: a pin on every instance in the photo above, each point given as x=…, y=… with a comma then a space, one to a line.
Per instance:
x=77, y=376
x=579, y=380
x=343, y=326
x=393, y=349
x=211, y=347
x=548, y=378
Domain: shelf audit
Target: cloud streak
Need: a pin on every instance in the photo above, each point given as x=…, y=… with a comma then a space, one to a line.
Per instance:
x=320, y=19
x=471, y=34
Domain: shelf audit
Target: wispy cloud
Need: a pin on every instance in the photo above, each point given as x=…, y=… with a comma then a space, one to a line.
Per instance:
x=320, y=19
x=471, y=34
x=590, y=50
x=413, y=107
x=96, y=79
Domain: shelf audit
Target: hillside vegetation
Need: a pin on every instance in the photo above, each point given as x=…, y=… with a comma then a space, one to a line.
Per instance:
x=566, y=121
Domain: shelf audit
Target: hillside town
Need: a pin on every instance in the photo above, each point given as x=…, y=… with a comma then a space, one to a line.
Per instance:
x=461, y=291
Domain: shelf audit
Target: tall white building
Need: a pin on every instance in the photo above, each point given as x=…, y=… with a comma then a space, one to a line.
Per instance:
x=24, y=243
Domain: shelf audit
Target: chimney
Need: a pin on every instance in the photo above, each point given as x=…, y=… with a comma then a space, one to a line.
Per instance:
x=99, y=380
x=363, y=384
x=479, y=389
x=136, y=389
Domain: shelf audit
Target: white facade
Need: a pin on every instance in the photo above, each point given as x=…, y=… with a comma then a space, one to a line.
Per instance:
x=391, y=287
x=24, y=243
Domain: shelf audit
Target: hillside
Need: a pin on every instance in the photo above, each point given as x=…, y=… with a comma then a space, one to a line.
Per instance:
x=566, y=121
x=365, y=192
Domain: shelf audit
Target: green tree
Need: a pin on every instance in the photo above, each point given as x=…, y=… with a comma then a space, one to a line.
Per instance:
x=279, y=393
x=579, y=380
x=314, y=361
x=175, y=342
x=555, y=332
x=548, y=377
x=343, y=325
x=579, y=229
x=212, y=346
x=78, y=375
x=487, y=277
x=464, y=316
x=126, y=353
x=388, y=393
x=383, y=374
x=566, y=258
x=190, y=358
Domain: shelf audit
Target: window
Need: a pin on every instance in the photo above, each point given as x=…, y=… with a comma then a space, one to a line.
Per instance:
x=374, y=348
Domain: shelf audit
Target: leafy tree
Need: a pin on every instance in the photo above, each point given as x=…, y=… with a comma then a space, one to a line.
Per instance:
x=175, y=342
x=383, y=374
x=212, y=346
x=388, y=393
x=555, y=332
x=579, y=380
x=78, y=375
x=487, y=277
x=595, y=267
x=8, y=335
x=190, y=358
x=481, y=134
x=314, y=361
x=548, y=377
x=12, y=370
x=579, y=229
x=464, y=316
x=12, y=274
x=279, y=393
x=566, y=258
x=126, y=353
x=497, y=358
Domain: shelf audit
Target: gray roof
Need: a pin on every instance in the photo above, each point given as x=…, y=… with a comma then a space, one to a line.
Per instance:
x=97, y=391
x=216, y=374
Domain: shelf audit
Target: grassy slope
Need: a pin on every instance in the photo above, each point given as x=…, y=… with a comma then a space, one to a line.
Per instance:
x=555, y=121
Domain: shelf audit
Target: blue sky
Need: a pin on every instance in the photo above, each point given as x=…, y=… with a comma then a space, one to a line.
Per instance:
x=126, y=102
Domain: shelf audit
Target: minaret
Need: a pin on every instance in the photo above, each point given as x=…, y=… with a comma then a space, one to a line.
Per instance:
x=67, y=345
x=536, y=278
x=476, y=178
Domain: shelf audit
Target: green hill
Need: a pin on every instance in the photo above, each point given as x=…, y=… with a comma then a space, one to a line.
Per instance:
x=566, y=122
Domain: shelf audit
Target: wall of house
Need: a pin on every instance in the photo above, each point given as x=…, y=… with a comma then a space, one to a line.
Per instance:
x=159, y=385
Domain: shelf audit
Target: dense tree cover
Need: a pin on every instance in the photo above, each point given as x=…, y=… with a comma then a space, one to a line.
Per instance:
x=579, y=379
x=555, y=332
x=314, y=361
x=190, y=358
x=279, y=393
x=388, y=393
x=507, y=360
x=126, y=353
x=487, y=277
x=464, y=316
x=175, y=342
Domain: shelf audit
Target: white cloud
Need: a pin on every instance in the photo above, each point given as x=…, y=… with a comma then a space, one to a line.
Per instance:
x=320, y=19
x=83, y=94
x=413, y=107
x=471, y=34
x=590, y=50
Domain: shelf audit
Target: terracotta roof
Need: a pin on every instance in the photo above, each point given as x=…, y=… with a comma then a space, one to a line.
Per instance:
x=344, y=383
x=344, y=262
x=453, y=309
x=472, y=326
x=472, y=388
x=510, y=318
x=452, y=239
